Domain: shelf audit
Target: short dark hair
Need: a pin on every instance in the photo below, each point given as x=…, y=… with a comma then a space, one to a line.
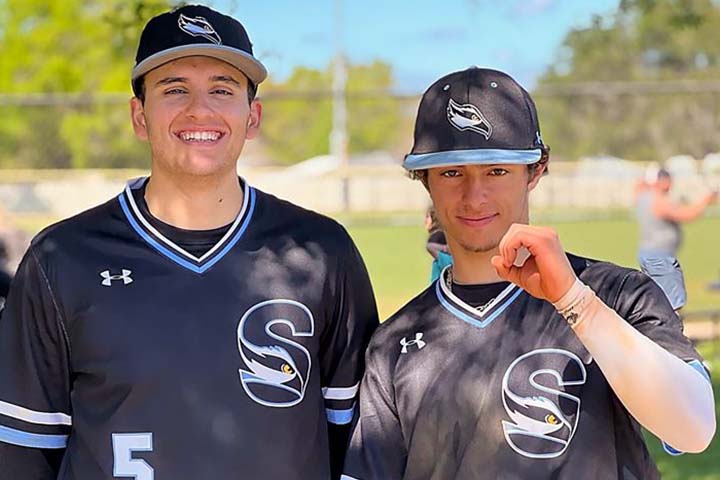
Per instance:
x=138, y=87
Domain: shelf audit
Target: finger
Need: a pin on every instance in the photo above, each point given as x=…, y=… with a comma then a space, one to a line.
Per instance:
x=520, y=244
x=510, y=274
x=509, y=244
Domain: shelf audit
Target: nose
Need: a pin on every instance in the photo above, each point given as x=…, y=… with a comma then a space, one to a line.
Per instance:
x=474, y=190
x=199, y=106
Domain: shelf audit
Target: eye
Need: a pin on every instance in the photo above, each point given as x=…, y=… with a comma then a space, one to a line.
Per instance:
x=175, y=91
x=498, y=172
x=450, y=173
x=287, y=369
x=551, y=419
x=222, y=91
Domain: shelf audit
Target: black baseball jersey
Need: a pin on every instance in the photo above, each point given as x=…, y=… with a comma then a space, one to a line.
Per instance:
x=504, y=392
x=146, y=361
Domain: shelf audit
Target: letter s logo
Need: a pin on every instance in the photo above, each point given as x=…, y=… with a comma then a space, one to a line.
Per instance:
x=277, y=367
x=540, y=393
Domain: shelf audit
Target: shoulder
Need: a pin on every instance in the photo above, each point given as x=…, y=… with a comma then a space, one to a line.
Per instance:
x=302, y=224
x=619, y=287
x=76, y=229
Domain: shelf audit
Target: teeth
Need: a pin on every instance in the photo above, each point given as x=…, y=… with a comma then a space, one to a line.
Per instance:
x=199, y=136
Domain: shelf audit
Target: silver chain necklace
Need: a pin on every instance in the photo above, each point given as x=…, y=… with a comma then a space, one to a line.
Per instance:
x=449, y=283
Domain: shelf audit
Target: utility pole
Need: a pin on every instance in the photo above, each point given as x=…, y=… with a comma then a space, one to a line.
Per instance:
x=338, y=134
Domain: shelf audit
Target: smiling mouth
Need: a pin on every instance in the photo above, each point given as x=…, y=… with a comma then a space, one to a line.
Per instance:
x=201, y=137
x=481, y=220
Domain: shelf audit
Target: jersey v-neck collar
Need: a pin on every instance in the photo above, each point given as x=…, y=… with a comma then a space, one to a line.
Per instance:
x=465, y=312
x=172, y=250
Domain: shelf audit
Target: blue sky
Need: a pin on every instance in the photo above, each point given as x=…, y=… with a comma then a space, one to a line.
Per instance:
x=421, y=39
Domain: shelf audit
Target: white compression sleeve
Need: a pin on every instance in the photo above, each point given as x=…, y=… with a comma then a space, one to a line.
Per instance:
x=665, y=394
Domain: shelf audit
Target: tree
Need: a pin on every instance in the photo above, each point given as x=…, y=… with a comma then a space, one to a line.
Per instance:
x=643, y=43
x=83, y=47
x=298, y=113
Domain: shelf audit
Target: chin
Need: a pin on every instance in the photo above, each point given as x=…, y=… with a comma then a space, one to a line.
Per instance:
x=204, y=168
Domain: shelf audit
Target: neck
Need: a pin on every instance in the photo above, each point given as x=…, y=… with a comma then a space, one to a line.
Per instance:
x=192, y=203
x=473, y=268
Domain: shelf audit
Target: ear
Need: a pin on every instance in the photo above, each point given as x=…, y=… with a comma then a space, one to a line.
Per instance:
x=254, y=119
x=537, y=174
x=137, y=113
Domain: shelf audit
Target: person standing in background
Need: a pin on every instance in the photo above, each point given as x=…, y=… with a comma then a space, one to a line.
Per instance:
x=660, y=222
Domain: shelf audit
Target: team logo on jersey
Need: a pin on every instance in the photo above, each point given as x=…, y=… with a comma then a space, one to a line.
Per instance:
x=468, y=117
x=108, y=278
x=418, y=342
x=540, y=393
x=198, y=27
x=277, y=367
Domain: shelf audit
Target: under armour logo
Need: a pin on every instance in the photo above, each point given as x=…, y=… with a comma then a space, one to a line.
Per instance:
x=418, y=341
x=108, y=278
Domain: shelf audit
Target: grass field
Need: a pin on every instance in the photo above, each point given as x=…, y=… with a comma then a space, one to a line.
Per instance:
x=399, y=268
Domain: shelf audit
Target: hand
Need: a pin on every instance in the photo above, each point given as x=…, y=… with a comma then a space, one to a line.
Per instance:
x=546, y=274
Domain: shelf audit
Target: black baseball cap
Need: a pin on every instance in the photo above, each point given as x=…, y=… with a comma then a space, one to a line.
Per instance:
x=196, y=30
x=475, y=116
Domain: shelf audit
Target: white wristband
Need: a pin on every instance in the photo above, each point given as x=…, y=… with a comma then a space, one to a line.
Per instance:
x=574, y=303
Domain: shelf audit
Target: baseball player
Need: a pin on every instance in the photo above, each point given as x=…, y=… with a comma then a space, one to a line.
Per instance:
x=520, y=361
x=194, y=327
x=660, y=220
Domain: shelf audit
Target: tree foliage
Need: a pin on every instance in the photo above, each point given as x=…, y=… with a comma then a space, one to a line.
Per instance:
x=83, y=47
x=298, y=113
x=86, y=48
x=645, y=42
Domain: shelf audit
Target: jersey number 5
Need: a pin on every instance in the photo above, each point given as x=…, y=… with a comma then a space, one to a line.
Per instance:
x=124, y=466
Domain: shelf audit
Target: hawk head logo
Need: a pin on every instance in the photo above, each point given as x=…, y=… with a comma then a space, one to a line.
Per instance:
x=468, y=117
x=198, y=27
x=277, y=364
x=540, y=393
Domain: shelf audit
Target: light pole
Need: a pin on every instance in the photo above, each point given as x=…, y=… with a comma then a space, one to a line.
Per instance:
x=338, y=133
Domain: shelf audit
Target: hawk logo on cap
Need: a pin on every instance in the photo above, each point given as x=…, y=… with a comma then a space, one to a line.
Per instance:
x=468, y=117
x=198, y=27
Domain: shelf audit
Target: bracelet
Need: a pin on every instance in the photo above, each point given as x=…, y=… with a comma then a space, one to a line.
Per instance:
x=573, y=304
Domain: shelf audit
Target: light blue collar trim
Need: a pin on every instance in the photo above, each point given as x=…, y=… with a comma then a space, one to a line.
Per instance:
x=480, y=156
x=466, y=312
x=173, y=251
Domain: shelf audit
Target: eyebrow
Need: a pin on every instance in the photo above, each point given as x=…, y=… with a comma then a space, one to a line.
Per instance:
x=168, y=80
x=225, y=78
x=216, y=78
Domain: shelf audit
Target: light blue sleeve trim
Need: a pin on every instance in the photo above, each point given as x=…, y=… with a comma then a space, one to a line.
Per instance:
x=700, y=368
x=480, y=156
x=671, y=451
x=340, y=417
x=33, y=440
